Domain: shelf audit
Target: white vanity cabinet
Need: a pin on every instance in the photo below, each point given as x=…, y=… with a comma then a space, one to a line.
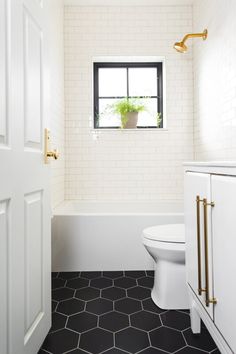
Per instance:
x=210, y=220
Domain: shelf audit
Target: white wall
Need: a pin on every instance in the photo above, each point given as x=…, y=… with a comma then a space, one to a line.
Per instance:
x=215, y=80
x=57, y=112
x=122, y=165
x=125, y=165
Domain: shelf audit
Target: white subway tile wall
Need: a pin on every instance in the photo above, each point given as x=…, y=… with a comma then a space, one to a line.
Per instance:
x=57, y=111
x=126, y=165
x=215, y=81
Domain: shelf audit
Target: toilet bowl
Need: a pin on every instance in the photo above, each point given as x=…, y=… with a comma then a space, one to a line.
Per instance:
x=166, y=245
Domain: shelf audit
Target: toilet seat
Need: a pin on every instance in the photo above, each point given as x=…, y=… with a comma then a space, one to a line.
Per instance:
x=171, y=233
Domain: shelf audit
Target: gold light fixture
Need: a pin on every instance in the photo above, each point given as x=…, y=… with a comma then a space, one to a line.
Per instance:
x=181, y=46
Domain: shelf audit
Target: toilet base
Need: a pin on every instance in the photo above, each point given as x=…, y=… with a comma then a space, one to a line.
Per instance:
x=170, y=287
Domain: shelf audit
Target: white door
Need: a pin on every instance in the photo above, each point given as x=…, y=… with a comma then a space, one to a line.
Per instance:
x=224, y=248
x=197, y=185
x=24, y=179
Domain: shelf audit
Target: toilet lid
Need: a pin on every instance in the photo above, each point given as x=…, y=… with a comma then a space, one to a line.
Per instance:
x=166, y=233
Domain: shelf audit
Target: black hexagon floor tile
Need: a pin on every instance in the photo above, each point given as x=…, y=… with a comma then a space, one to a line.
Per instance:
x=61, y=341
x=135, y=274
x=189, y=350
x=131, y=340
x=123, y=319
x=77, y=283
x=54, y=305
x=99, y=306
x=128, y=306
x=71, y=306
x=147, y=282
x=87, y=294
x=167, y=339
x=139, y=293
x=176, y=320
x=58, y=283
x=96, y=341
x=114, y=321
x=90, y=275
x=77, y=351
x=145, y=320
x=125, y=282
x=82, y=322
x=201, y=341
x=54, y=274
x=113, y=293
x=149, y=305
x=58, y=321
x=113, y=275
x=185, y=311
x=114, y=351
x=68, y=275
x=101, y=283
x=62, y=294
x=152, y=350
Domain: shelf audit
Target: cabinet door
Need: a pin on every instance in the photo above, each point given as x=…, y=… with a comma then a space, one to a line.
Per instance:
x=198, y=184
x=224, y=251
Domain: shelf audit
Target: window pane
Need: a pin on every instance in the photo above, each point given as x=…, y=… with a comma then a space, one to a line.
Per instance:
x=142, y=81
x=112, y=82
x=148, y=118
x=106, y=118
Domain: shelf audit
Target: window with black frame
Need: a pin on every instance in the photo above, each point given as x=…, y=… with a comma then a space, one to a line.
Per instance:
x=124, y=87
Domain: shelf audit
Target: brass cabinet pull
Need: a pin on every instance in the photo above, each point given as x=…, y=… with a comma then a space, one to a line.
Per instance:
x=198, y=200
x=205, y=205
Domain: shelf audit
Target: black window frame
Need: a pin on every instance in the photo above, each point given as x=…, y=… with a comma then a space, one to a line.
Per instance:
x=127, y=65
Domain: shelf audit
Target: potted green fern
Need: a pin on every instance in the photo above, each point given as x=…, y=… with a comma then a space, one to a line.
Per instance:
x=128, y=109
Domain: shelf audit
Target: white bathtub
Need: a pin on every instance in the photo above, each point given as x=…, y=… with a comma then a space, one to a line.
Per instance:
x=106, y=236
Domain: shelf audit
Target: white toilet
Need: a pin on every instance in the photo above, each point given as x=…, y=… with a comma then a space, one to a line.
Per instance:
x=166, y=245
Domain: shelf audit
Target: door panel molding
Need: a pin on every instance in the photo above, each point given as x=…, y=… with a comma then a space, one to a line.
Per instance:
x=5, y=274
x=33, y=80
x=34, y=306
x=4, y=72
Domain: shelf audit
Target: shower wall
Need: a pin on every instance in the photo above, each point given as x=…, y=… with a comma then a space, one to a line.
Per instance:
x=126, y=165
x=215, y=81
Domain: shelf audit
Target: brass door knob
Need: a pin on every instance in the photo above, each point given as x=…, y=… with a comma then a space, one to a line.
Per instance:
x=48, y=153
x=54, y=154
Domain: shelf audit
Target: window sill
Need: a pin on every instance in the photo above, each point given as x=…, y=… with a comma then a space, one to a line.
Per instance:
x=97, y=130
